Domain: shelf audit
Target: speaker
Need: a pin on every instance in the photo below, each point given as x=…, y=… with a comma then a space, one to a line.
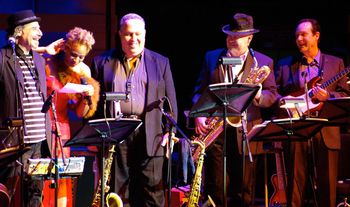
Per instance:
x=84, y=188
x=344, y=158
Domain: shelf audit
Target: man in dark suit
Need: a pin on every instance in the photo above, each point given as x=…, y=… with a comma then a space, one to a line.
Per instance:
x=146, y=77
x=291, y=75
x=239, y=36
x=23, y=91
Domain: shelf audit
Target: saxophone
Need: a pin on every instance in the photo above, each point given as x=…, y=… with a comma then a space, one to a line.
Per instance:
x=215, y=128
x=112, y=199
x=195, y=189
x=256, y=76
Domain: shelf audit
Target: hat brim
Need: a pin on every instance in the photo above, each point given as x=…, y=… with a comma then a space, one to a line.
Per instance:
x=28, y=20
x=226, y=30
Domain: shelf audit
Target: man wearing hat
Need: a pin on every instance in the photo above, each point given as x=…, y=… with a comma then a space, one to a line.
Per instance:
x=239, y=36
x=23, y=92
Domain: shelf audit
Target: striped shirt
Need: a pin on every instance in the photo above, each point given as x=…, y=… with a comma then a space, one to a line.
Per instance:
x=34, y=119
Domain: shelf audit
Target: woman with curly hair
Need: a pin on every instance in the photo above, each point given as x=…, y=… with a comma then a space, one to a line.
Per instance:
x=67, y=66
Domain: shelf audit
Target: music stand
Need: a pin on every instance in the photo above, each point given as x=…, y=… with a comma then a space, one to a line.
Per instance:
x=287, y=129
x=337, y=111
x=223, y=100
x=237, y=97
x=98, y=132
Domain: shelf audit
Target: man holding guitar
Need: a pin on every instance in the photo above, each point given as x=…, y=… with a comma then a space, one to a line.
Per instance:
x=292, y=76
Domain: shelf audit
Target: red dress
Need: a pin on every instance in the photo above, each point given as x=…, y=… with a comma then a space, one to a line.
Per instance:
x=64, y=103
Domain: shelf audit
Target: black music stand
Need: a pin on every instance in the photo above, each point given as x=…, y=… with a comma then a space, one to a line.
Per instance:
x=237, y=98
x=337, y=111
x=287, y=129
x=96, y=131
x=224, y=100
x=99, y=132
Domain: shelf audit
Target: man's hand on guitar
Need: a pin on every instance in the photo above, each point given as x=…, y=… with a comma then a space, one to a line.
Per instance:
x=320, y=94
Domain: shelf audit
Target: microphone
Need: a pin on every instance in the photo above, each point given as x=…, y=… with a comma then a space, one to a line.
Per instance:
x=161, y=100
x=167, y=106
x=170, y=122
x=253, y=55
x=48, y=102
x=12, y=41
x=88, y=98
x=115, y=96
x=229, y=61
x=156, y=104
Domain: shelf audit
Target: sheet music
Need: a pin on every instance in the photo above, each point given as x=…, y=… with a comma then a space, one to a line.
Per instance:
x=74, y=88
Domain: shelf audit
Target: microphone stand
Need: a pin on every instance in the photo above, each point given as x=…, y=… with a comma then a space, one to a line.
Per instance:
x=58, y=142
x=170, y=150
x=314, y=177
x=245, y=144
x=306, y=94
x=20, y=142
x=173, y=124
x=233, y=80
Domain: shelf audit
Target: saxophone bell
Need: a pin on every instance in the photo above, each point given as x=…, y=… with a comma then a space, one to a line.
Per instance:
x=256, y=76
x=113, y=200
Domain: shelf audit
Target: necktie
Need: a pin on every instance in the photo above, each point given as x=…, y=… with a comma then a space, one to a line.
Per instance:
x=131, y=65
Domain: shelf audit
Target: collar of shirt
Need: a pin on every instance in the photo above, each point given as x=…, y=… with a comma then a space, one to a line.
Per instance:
x=314, y=62
x=20, y=52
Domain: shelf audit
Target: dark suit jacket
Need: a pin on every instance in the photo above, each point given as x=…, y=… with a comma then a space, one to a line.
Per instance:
x=10, y=95
x=287, y=79
x=159, y=84
x=256, y=111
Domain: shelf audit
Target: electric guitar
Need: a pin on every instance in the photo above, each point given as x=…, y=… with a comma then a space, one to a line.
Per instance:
x=313, y=104
x=279, y=180
x=4, y=196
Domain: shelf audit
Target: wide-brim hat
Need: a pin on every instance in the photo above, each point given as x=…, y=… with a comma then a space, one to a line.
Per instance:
x=21, y=18
x=241, y=24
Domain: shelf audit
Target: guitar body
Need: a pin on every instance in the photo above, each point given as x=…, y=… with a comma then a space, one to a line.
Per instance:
x=279, y=197
x=314, y=105
x=4, y=196
x=311, y=84
x=279, y=180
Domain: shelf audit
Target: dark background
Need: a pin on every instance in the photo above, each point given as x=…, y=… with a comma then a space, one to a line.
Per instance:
x=184, y=30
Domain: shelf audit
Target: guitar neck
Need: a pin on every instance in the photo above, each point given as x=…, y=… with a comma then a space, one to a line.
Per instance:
x=332, y=80
x=281, y=171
